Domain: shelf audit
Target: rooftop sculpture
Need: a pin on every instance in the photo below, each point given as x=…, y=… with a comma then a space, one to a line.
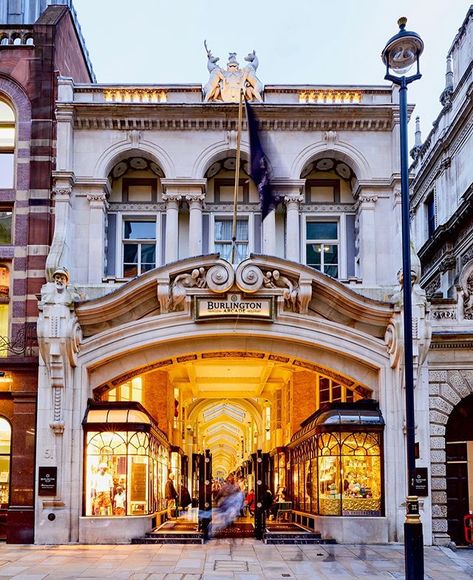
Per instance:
x=224, y=85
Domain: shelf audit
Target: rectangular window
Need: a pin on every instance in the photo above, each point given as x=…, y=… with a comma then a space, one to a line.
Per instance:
x=322, y=246
x=223, y=238
x=139, y=247
x=430, y=212
x=6, y=215
x=7, y=146
x=140, y=190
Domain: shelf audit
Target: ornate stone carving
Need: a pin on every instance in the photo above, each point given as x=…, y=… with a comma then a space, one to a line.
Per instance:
x=275, y=280
x=220, y=277
x=249, y=278
x=466, y=284
x=225, y=85
x=135, y=137
x=330, y=137
x=59, y=338
x=180, y=284
x=444, y=313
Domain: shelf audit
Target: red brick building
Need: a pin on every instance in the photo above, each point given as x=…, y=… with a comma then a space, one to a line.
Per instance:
x=32, y=56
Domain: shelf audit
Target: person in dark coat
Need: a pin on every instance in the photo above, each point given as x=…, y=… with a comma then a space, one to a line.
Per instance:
x=171, y=496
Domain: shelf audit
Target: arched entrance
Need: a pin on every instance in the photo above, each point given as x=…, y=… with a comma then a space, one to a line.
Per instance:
x=459, y=448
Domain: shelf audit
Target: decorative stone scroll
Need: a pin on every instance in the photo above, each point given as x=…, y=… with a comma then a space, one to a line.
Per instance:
x=221, y=277
x=59, y=338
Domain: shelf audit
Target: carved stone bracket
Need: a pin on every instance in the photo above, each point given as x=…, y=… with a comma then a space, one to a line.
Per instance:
x=59, y=338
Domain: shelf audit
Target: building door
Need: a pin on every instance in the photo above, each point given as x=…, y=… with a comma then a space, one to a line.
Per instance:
x=5, y=452
x=459, y=452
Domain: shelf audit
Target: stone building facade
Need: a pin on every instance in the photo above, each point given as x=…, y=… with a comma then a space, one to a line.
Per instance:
x=442, y=225
x=225, y=356
x=30, y=55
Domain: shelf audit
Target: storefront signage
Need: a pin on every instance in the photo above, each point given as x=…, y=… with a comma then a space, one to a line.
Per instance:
x=47, y=481
x=421, y=481
x=233, y=305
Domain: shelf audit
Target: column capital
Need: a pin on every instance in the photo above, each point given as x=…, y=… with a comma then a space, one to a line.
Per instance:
x=366, y=200
x=195, y=197
x=98, y=199
x=293, y=199
x=170, y=198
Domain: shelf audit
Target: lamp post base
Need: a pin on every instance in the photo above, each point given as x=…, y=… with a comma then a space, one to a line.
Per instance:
x=414, y=551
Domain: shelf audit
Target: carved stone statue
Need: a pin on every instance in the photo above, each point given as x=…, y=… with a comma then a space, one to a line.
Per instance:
x=290, y=293
x=225, y=85
x=59, y=291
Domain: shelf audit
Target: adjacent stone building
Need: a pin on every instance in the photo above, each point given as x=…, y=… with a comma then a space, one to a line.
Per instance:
x=442, y=193
x=34, y=45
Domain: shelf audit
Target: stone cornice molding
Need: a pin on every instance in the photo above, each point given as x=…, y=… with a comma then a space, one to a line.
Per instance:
x=205, y=117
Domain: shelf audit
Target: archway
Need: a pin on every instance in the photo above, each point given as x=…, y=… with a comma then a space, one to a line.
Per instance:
x=459, y=448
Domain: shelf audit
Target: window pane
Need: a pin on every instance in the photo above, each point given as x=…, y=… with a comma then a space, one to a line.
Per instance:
x=331, y=271
x=313, y=255
x=6, y=170
x=7, y=137
x=223, y=229
x=330, y=254
x=136, y=230
x=130, y=270
x=321, y=230
x=4, y=480
x=242, y=252
x=148, y=254
x=5, y=225
x=5, y=436
x=242, y=230
x=130, y=253
x=6, y=113
x=225, y=251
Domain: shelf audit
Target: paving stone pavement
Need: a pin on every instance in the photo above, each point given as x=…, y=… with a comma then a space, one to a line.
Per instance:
x=244, y=559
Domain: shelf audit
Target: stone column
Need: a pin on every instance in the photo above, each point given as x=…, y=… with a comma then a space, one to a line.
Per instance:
x=97, y=209
x=367, y=237
x=172, y=227
x=269, y=234
x=195, y=223
x=293, y=234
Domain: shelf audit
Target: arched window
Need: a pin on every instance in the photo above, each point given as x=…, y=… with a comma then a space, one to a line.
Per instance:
x=4, y=308
x=329, y=217
x=5, y=452
x=7, y=145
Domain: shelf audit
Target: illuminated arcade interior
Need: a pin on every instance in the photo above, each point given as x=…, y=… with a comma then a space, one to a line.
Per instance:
x=231, y=407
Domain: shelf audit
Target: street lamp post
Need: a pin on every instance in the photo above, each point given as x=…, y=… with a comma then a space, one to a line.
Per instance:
x=400, y=53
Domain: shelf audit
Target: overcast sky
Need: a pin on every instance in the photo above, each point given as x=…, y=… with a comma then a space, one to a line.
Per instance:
x=297, y=41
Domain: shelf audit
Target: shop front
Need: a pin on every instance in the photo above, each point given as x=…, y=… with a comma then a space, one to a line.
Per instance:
x=145, y=395
x=336, y=467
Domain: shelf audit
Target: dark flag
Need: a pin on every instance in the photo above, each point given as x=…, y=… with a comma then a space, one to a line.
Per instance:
x=259, y=166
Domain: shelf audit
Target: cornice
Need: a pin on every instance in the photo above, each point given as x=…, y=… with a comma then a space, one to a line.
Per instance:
x=223, y=116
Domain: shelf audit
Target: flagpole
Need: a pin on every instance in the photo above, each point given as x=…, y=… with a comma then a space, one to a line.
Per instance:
x=237, y=178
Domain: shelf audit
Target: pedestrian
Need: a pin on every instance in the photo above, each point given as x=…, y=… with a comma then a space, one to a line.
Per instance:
x=170, y=494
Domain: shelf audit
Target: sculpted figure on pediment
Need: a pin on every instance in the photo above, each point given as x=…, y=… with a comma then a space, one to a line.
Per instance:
x=59, y=291
x=274, y=279
x=180, y=284
x=225, y=85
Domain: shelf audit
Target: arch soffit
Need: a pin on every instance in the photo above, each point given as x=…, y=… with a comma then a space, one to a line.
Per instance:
x=340, y=150
x=215, y=152
x=113, y=154
x=358, y=373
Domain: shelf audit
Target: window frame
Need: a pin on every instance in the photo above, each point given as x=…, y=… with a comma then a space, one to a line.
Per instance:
x=430, y=215
x=334, y=183
x=120, y=240
x=130, y=181
x=341, y=242
x=249, y=216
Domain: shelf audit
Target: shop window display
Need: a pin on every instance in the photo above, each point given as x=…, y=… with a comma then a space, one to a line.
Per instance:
x=344, y=474
x=124, y=468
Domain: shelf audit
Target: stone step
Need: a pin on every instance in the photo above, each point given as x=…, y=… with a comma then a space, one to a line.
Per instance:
x=167, y=539
x=297, y=539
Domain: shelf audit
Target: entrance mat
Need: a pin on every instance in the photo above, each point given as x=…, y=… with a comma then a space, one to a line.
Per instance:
x=237, y=530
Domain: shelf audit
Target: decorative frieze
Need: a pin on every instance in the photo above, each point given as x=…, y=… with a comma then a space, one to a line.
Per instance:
x=134, y=95
x=330, y=97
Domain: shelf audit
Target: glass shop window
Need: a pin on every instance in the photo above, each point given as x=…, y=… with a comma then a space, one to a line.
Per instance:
x=4, y=306
x=361, y=469
x=7, y=146
x=332, y=391
x=5, y=452
x=329, y=475
x=123, y=474
x=129, y=391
